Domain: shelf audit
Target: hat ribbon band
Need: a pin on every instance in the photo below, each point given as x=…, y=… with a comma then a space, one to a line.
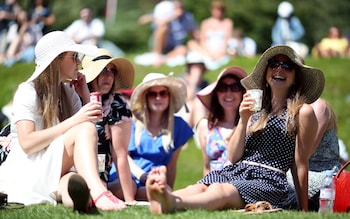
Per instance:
x=101, y=57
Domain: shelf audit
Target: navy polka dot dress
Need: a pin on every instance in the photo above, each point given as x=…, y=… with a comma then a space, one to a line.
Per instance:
x=271, y=146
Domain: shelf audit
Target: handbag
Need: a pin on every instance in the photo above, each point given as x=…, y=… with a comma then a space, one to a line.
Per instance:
x=5, y=143
x=342, y=190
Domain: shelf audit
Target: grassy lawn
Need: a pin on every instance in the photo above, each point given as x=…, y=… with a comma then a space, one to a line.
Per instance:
x=337, y=92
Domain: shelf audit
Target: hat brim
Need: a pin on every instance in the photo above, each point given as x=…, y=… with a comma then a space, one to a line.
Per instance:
x=124, y=78
x=176, y=87
x=205, y=95
x=89, y=50
x=312, y=78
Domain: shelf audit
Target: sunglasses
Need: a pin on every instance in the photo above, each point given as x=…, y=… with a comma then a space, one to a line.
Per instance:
x=234, y=87
x=76, y=57
x=106, y=71
x=161, y=94
x=287, y=66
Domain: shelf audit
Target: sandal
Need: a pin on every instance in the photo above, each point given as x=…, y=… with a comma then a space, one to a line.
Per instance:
x=108, y=195
x=79, y=193
x=259, y=207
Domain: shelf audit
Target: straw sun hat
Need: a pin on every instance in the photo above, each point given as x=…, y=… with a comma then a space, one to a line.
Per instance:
x=93, y=65
x=312, y=78
x=176, y=87
x=53, y=44
x=206, y=93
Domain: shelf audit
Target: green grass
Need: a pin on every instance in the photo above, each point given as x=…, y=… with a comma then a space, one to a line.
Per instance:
x=336, y=91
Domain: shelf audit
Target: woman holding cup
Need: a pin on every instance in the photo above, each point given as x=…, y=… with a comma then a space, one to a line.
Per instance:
x=52, y=131
x=105, y=76
x=264, y=145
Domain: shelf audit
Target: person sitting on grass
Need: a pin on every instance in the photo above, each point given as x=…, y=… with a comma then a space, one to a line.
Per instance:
x=222, y=99
x=264, y=145
x=157, y=134
x=52, y=132
x=326, y=154
x=106, y=75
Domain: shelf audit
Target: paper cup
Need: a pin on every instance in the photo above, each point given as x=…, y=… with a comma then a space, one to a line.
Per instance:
x=257, y=95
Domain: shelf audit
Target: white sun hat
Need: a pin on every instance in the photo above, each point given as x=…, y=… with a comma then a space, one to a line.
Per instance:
x=285, y=9
x=53, y=44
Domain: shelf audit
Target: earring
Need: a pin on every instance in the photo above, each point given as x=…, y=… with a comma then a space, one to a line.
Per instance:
x=266, y=84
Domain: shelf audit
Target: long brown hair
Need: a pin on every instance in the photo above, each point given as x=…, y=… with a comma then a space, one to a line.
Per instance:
x=48, y=89
x=293, y=104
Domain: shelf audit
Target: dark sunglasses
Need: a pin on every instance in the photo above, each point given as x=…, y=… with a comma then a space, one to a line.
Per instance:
x=161, y=94
x=287, y=66
x=234, y=87
x=106, y=70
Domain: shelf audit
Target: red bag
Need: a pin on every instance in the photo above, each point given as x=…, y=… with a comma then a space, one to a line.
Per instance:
x=342, y=190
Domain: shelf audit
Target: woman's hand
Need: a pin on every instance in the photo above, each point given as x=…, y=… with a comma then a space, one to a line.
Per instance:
x=91, y=111
x=81, y=87
x=245, y=107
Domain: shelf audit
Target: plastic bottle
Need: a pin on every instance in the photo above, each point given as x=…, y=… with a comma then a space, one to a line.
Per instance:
x=327, y=193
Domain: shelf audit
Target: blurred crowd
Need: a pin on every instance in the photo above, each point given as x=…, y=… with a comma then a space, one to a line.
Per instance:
x=21, y=29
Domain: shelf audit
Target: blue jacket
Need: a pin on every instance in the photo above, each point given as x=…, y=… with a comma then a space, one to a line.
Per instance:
x=296, y=31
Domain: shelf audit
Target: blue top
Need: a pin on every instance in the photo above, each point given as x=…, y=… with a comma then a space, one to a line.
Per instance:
x=296, y=31
x=179, y=29
x=150, y=152
x=5, y=23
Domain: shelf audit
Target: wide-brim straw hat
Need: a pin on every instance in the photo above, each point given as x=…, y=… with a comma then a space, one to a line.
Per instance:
x=93, y=65
x=205, y=95
x=176, y=87
x=312, y=78
x=53, y=44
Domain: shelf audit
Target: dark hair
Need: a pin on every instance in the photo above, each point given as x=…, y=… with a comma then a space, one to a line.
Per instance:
x=216, y=112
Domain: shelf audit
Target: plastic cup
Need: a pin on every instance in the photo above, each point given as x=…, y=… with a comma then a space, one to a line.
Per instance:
x=257, y=95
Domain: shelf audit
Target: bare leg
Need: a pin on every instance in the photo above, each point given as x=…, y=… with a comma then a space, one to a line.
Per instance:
x=81, y=147
x=216, y=197
x=159, y=41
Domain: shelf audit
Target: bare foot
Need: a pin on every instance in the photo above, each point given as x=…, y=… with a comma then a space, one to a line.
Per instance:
x=158, y=193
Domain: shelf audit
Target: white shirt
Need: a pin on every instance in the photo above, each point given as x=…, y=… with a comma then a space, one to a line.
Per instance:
x=79, y=29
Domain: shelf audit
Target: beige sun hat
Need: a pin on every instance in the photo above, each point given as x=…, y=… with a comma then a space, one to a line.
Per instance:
x=312, y=78
x=176, y=87
x=53, y=44
x=93, y=65
x=206, y=93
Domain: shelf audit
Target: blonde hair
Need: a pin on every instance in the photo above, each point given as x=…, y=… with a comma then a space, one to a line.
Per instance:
x=167, y=122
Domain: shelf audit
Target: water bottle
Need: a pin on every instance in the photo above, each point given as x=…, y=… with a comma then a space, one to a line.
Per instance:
x=327, y=193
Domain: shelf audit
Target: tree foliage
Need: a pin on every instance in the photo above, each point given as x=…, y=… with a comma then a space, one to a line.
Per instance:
x=254, y=17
